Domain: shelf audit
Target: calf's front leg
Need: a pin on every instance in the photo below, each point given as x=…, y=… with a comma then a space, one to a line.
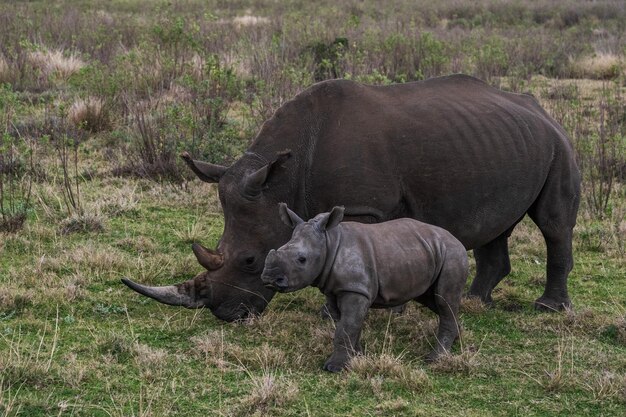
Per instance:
x=353, y=309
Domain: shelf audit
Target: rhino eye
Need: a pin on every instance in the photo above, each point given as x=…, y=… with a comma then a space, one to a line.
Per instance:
x=301, y=259
x=249, y=260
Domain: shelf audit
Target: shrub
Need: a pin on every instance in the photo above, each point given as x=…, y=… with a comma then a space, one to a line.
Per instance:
x=16, y=167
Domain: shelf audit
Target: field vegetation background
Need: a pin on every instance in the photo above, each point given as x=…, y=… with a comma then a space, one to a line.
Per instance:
x=97, y=99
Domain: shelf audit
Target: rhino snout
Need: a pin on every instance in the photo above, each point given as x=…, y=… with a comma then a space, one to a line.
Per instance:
x=275, y=281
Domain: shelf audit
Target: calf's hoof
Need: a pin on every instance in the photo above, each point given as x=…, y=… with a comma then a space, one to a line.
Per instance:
x=398, y=309
x=544, y=303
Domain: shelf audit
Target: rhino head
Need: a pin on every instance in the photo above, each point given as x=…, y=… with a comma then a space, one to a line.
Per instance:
x=298, y=263
x=231, y=286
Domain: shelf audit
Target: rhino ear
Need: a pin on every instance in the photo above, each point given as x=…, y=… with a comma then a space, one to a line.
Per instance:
x=288, y=217
x=329, y=220
x=254, y=182
x=205, y=171
x=209, y=259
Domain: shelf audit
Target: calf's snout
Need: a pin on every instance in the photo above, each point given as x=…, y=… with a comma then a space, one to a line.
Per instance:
x=275, y=281
x=273, y=276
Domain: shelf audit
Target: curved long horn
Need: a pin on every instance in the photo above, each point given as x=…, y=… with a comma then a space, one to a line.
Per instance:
x=183, y=294
x=205, y=171
x=208, y=258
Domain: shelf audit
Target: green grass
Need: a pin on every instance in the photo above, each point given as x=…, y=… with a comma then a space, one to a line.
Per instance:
x=104, y=350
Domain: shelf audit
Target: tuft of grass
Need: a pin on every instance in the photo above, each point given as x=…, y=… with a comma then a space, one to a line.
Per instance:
x=473, y=305
x=386, y=366
x=464, y=363
x=599, y=66
x=194, y=232
x=605, y=386
x=90, y=114
x=14, y=301
x=267, y=391
x=82, y=223
x=6, y=74
x=249, y=20
x=212, y=348
x=56, y=63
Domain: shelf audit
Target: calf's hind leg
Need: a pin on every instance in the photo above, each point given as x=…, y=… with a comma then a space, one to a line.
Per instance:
x=447, y=299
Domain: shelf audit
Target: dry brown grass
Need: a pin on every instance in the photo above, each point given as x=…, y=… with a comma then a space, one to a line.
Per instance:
x=465, y=363
x=27, y=362
x=14, y=300
x=388, y=366
x=599, y=66
x=82, y=223
x=89, y=113
x=473, y=305
x=268, y=390
x=83, y=263
x=249, y=20
x=215, y=351
x=150, y=361
x=117, y=200
x=56, y=63
x=6, y=75
x=605, y=386
x=194, y=232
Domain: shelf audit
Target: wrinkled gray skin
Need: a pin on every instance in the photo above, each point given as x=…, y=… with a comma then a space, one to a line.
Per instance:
x=358, y=266
x=449, y=151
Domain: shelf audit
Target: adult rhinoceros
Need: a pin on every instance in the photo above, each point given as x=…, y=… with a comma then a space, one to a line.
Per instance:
x=450, y=151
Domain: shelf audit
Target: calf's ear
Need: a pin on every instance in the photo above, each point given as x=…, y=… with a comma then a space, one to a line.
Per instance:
x=288, y=217
x=329, y=220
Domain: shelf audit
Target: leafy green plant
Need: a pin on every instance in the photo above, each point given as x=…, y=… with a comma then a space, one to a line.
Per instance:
x=16, y=167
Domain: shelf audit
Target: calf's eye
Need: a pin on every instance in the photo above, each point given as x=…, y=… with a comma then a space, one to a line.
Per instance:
x=301, y=259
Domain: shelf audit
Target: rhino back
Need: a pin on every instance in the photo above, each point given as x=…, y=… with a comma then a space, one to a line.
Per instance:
x=451, y=151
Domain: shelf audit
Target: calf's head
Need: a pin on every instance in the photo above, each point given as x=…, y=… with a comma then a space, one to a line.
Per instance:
x=299, y=262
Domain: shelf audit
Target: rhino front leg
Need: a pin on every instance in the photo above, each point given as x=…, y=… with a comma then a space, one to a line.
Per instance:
x=330, y=310
x=492, y=264
x=353, y=309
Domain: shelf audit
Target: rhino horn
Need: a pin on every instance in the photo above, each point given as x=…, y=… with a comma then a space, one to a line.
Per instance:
x=205, y=171
x=175, y=295
x=208, y=258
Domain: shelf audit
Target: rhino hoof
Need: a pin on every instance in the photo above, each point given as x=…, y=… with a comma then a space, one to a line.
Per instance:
x=334, y=367
x=552, y=305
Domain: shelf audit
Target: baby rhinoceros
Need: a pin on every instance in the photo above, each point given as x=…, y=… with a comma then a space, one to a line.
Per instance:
x=358, y=266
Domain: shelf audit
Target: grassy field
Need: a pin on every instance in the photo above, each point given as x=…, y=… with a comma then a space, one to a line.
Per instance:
x=95, y=104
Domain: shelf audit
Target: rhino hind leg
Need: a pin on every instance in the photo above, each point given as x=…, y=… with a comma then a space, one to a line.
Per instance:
x=554, y=212
x=492, y=265
x=560, y=261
